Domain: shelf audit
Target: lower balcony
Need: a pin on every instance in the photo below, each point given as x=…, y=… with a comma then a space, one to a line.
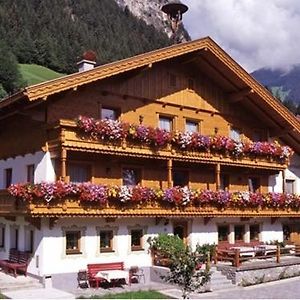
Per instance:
x=86, y=199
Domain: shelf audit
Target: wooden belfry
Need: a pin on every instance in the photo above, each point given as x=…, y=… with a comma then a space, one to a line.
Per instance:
x=174, y=12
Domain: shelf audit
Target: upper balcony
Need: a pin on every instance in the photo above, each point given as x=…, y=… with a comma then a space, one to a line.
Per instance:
x=120, y=138
x=61, y=199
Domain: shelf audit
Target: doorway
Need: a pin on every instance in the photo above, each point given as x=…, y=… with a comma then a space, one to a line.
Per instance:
x=181, y=230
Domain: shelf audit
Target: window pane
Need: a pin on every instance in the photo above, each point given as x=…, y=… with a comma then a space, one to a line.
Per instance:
x=106, y=239
x=136, y=237
x=254, y=232
x=289, y=186
x=72, y=240
x=180, y=178
x=7, y=177
x=165, y=123
x=79, y=172
x=239, y=231
x=131, y=176
x=235, y=134
x=109, y=113
x=223, y=233
x=191, y=126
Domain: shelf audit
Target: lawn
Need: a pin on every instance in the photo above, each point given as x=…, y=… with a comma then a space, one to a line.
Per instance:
x=34, y=74
x=132, y=295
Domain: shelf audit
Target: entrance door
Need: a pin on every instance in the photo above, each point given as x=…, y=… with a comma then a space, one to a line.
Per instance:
x=180, y=229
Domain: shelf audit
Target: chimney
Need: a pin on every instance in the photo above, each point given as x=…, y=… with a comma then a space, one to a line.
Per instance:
x=87, y=62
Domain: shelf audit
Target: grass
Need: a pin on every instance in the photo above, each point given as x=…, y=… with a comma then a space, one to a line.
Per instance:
x=34, y=74
x=2, y=296
x=132, y=295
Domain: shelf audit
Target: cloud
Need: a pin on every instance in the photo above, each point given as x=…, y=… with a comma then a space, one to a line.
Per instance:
x=255, y=33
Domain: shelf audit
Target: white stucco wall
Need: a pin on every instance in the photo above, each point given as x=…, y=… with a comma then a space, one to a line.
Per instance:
x=44, y=168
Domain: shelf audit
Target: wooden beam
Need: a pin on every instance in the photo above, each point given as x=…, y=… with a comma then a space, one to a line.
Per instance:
x=218, y=177
x=170, y=168
x=240, y=95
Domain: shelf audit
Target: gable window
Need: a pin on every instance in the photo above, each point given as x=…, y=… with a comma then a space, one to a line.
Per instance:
x=79, y=172
x=73, y=242
x=225, y=180
x=180, y=177
x=165, y=123
x=253, y=184
x=29, y=239
x=239, y=232
x=254, y=232
x=7, y=177
x=131, y=176
x=136, y=239
x=106, y=240
x=235, y=134
x=191, y=126
x=30, y=173
x=109, y=113
x=289, y=186
x=223, y=231
x=2, y=235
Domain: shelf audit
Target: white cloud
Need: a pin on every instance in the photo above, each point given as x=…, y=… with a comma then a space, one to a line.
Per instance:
x=255, y=33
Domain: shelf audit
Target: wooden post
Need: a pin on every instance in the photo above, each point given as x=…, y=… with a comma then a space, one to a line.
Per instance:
x=63, y=160
x=278, y=254
x=216, y=255
x=208, y=261
x=217, y=175
x=236, y=258
x=283, y=181
x=170, y=167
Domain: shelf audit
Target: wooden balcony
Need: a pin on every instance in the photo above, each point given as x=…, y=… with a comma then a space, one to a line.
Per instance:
x=9, y=205
x=68, y=136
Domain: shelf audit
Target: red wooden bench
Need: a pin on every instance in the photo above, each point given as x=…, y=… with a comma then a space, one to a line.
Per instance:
x=93, y=269
x=17, y=261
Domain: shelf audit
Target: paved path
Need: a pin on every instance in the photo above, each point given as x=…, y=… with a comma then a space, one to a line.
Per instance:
x=282, y=289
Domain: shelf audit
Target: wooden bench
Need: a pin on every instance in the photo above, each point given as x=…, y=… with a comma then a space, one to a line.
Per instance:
x=93, y=269
x=17, y=261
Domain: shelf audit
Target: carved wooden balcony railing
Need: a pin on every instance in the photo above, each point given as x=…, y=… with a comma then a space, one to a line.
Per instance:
x=69, y=136
x=86, y=199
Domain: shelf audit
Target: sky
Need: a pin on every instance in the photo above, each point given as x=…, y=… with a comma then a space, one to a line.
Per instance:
x=255, y=33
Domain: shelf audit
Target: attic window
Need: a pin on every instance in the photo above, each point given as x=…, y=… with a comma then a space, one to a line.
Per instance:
x=173, y=80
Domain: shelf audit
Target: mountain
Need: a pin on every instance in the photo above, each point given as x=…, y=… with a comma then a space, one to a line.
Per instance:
x=55, y=33
x=283, y=84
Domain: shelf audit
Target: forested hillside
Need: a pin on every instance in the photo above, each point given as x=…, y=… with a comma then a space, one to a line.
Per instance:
x=55, y=33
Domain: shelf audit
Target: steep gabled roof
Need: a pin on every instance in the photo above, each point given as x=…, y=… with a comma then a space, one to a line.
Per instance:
x=217, y=63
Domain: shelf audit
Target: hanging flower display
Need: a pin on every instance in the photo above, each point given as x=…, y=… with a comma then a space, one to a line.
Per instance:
x=111, y=130
x=88, y=192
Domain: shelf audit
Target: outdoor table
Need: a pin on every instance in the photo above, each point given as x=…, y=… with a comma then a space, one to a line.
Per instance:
x=245, y=251
x=110, y=275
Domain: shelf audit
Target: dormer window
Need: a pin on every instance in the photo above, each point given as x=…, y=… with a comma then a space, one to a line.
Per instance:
x=109, y=113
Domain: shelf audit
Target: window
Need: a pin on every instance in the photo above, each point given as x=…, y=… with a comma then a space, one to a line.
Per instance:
x=73, y=242
x=131, y=176
x=79, y=172
x=136, y=239
x=225, y=180
x=180, y=178
x=7, y=177
x=30, y=173
x=286, y=232
x=173, y=80
x=165, y=123
x=2, y=236
x=14, y=237
x=253, y=184
x=109, y=113
x=235, y=134
x=239, y=232
x=106, y=240
x=254, y=232
x=223, y=232
x=191, y=126
x=290, y=186
x=29, y=240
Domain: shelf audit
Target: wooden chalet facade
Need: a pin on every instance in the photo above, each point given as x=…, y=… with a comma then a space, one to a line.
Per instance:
x=219, y=182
